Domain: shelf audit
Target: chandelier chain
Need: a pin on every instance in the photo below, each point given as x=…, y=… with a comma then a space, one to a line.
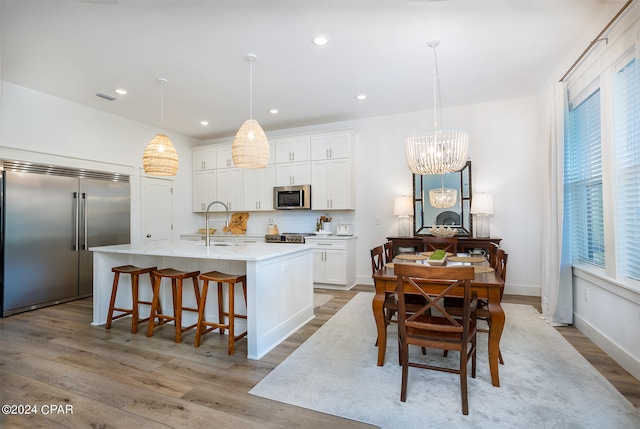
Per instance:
x=436, y=86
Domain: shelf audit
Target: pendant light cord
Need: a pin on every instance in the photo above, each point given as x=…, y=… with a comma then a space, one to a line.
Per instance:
x=162, y=104
x=251, y=87
x=162, y=82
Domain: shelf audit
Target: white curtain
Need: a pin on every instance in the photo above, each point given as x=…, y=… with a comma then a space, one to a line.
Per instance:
x=557, y=290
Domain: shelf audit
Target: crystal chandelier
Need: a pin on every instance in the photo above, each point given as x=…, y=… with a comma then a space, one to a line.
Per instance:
x=437, y=151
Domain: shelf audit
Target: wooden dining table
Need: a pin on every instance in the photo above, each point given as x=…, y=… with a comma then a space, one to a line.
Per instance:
x=487, y=285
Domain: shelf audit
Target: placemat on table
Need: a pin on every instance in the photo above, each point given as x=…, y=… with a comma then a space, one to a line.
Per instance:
x=470, y=259
x=427, y=254
x=408, y=257
x=480, y=269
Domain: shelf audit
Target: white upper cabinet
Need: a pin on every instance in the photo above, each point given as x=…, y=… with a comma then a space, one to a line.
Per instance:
x=204, y=158
x=292, y=149
x=331, y=146
x=229, y=189
x=223, y=156
x=203, y=189
x=293, y=173
x=258, y=186
x=332, y=185
x=326, y=161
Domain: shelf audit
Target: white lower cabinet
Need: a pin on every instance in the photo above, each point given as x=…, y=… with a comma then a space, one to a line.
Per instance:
x=334, y=262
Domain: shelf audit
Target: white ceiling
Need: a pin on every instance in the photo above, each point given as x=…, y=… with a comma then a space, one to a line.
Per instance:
x=489, y=50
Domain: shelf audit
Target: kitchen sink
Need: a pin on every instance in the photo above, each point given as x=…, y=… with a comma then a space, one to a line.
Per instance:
x=220, y=243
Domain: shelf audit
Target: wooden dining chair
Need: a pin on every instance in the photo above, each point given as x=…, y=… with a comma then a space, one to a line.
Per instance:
x=390, y=304
x=388, y=252
x=377, y=263
x=493, y=250
x=455, y=306
x=440, y=329
x=377, y=259
x=500, y=267
x=448, y=244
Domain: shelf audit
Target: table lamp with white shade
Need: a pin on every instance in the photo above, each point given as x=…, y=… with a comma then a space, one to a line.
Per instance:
x=403, y=208
x=482, y=208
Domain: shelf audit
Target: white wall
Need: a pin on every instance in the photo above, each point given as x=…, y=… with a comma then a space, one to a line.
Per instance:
x=505, y=162
x=41, y=128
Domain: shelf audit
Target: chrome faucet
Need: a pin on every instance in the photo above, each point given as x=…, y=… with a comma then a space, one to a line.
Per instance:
x=206, y=218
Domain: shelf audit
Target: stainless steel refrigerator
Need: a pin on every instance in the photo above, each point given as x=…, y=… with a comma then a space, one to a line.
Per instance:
x=50, y=216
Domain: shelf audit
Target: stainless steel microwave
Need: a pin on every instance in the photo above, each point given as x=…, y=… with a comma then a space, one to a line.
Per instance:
x=292, y=197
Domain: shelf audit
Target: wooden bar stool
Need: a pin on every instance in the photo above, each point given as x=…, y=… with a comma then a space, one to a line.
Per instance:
x=177, y=278
x=135, y=273
x=205, y=326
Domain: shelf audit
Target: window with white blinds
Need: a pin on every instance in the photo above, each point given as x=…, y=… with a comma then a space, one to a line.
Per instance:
x=626, y=108
x=583, y=181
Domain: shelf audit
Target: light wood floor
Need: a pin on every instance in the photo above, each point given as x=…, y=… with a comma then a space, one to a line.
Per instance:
x=114, y=379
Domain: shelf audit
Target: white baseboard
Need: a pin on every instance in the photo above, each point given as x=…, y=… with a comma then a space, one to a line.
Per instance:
x=523, y=290
x=364, y=280
x=624, y=359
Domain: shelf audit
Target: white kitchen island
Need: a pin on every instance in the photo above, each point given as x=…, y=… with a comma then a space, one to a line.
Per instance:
x=279, y=284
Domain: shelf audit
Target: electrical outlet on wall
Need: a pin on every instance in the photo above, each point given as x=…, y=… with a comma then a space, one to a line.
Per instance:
x=586, y=294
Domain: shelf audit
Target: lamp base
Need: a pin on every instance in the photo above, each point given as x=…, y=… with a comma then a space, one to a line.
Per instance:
x=404, y=226
x=482, y=226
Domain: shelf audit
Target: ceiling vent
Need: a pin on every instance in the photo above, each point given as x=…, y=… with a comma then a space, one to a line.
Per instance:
x=106, y=96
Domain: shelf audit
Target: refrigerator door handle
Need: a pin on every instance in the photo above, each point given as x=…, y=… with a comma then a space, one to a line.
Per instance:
x=76, y=237
x=85, y=227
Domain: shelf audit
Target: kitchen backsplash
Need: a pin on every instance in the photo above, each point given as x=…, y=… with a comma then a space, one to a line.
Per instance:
x=293, y=221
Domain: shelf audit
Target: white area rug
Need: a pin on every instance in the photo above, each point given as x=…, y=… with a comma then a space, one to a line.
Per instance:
x=545, y=382
x=320, y=299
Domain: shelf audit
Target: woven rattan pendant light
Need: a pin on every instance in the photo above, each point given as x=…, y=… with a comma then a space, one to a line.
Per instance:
x=160, y=157
x=437, y=151
x=250, y=148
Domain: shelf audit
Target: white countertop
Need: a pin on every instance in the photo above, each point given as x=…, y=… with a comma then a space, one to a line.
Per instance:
x=330, y=237
x=189, y=249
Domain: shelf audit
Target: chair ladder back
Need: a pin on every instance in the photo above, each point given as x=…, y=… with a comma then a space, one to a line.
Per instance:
x=429, y=331
x=448, y=244
x=388, y=252
x=376, y=259
x=453, y=277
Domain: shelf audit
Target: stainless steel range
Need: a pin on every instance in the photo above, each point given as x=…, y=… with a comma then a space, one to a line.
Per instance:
x=287, y=237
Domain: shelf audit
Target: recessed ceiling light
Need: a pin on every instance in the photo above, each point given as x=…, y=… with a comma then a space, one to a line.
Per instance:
x=320, y=40
x=273, y=110
x=121, y=91
x=361, y=96
x=204, y=122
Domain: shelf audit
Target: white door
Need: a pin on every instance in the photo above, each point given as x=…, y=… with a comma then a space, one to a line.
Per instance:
x=157, y=209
